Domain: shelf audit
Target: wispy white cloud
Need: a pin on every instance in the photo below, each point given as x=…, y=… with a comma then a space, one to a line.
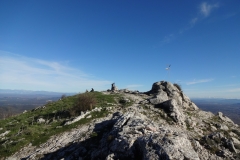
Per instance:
x=206, y=8
x=234, y=90
x=199, y=81
x=18, y=72
x=168, y=39
x=190, y=25
x=229, y=15
x=194, y=21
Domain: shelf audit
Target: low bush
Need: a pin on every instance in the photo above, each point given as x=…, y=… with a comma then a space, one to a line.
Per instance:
x=178, y=86
x=85, y=101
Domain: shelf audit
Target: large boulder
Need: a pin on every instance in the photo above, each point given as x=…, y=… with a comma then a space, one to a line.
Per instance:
x=157, y=87
x=159, y=98
x=163, y=85
x=168, y=147
x=174, y=111
x=224, y=118
x=140, y=138
x=170, y=88
x=163, y=91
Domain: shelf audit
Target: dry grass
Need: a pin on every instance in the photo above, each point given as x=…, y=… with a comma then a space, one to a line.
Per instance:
x=85, y=101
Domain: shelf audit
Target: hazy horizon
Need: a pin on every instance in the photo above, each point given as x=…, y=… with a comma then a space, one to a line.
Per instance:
x=2, y=91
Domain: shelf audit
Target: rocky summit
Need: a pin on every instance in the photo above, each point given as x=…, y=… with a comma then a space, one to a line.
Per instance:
x=162, y=123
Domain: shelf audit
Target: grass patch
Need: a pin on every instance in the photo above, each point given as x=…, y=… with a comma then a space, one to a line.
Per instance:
x=24, y=128
x=125, y=102
x=215, y=119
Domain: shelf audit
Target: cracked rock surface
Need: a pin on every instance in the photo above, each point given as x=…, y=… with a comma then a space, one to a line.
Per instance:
x=160, y=124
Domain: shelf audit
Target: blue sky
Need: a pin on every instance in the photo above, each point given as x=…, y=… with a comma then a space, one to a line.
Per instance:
x=71, y=46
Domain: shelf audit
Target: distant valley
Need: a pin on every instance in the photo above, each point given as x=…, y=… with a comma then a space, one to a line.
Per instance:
x=13, y=102
x=229, y=107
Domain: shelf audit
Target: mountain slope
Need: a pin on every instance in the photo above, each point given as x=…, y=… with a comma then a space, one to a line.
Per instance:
x=160, y=124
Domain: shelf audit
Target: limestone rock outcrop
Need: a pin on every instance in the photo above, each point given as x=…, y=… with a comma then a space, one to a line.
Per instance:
x=162, y=123
x=164, y=91
x=172, y=100
x=174, y=111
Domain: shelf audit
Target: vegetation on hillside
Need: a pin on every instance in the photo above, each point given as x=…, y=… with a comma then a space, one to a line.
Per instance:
x=25, y=128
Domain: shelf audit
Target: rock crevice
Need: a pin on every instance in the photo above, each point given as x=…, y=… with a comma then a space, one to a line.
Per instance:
x=162, y=123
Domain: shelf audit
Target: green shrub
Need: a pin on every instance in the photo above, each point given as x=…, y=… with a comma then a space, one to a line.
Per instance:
x=178, y=86
x=85, y=101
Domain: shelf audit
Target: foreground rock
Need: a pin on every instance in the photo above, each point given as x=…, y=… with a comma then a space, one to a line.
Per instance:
x=140, y=138
x=160, y=124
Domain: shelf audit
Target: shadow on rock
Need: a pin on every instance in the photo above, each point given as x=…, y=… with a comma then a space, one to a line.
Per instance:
x=83, y=149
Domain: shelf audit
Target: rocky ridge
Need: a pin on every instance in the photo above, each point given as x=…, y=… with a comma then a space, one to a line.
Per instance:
x=162, y=123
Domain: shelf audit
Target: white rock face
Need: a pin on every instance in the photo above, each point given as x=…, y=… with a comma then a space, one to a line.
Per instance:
x=161, y=124
x=164, y=91
x=85, y=114
x=159, y=98
x=224, y=118
x=4, y=134
x=235, y=141
x=175, y=111
x=140, y=137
